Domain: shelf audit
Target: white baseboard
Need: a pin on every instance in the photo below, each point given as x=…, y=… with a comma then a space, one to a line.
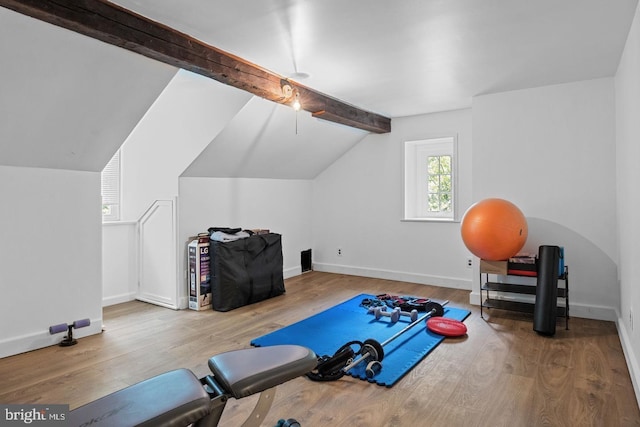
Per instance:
x=34, y=341
x=630, y=356
x=292, y=272
x=183, y=302
x=445, y=282
x=585, y=311
x=118, y=299
x=594, y=312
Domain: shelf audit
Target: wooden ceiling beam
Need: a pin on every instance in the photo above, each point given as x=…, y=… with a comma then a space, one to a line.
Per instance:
x=118, y=26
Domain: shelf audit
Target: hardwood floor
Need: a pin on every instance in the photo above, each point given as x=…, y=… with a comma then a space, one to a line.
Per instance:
x=501, y=374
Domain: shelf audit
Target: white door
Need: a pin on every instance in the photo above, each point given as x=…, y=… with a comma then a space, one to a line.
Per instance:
x=157, y=283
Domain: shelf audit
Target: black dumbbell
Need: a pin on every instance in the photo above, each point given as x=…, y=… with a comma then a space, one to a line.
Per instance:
x=288, y=423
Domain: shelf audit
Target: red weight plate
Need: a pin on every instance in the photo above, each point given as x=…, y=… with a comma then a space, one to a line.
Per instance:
x=446, y=327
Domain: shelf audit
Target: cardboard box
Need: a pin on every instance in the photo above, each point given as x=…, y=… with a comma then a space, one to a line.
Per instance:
x=260, y=230
x=199, y=273
x=493, y=267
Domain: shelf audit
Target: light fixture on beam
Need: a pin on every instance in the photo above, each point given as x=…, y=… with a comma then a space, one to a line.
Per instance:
x=296, y=107
x=287, y=89
x=296, y=102
x=289, y=92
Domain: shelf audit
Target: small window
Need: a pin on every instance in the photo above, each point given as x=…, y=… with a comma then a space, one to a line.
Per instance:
x=430, y=179
x=111, y=189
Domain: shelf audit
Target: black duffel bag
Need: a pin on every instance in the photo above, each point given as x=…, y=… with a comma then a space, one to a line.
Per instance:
x=246, y=271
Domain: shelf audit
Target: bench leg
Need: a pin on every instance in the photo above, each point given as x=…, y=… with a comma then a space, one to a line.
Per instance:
x=261, y=409
x=215, y=412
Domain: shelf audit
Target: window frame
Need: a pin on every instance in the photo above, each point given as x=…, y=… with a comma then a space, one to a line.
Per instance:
x=110, y=188
x=416, y=177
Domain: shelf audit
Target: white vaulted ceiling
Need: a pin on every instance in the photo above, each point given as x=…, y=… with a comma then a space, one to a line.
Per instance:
x=413, y=56
x=266, y=139
x=67, y=101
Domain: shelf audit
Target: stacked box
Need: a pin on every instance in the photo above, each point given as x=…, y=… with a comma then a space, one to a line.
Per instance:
x=493, y=267
x=523, y=265
x=527, y=264
x=199, y=273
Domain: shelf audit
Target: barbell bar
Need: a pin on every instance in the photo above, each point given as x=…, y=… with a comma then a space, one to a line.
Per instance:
x=373, y=351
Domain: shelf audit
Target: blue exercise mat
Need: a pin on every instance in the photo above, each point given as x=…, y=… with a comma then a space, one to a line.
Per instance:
x=329, y=330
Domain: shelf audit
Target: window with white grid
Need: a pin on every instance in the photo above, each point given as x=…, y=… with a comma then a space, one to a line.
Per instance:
x=111, y=189
x=430, y=179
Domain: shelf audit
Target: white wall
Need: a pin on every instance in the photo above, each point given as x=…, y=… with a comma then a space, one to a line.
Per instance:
x=182, y=121
x=185, y=118
x=282, y=206
x=358, y=207
x=119, y=262
x=551, y=151
x=627, y=90
x=68, y=101
x=50, y=262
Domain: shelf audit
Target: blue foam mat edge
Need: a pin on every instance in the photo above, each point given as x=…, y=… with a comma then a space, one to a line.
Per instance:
x=326, y=331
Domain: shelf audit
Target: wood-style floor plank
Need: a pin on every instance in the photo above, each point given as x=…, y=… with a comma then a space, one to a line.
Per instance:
x=501, y=374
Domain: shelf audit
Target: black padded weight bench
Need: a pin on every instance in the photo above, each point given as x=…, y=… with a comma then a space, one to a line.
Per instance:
x=179, y=398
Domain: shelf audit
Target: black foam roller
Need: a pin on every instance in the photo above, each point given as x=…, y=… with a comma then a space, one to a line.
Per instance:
x=544, y=313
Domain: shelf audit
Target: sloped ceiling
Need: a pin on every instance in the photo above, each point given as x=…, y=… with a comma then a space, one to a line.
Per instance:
x=268, y=140
x=411, y=57
x=68, y=101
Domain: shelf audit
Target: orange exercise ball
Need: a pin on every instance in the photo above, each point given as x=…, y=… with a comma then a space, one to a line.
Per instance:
x=494, y=229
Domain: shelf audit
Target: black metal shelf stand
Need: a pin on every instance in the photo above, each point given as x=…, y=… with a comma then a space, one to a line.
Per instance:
x=491, y=290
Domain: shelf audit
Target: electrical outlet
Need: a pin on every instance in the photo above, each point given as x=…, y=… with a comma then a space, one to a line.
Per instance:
x=469, y=262
x=339, y=251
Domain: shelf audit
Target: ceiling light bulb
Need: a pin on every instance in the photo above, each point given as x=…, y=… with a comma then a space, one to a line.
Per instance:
x=296, y=104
